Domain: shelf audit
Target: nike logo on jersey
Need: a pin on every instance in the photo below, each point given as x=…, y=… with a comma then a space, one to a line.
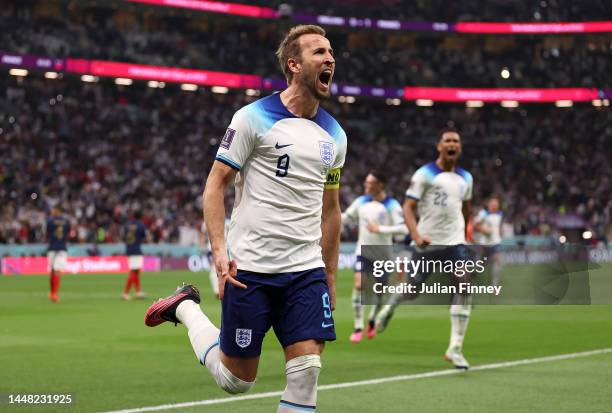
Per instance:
x=326, y=325
x=277, y=146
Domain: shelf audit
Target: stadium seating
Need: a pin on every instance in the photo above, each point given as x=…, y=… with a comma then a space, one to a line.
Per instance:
x=102, y=149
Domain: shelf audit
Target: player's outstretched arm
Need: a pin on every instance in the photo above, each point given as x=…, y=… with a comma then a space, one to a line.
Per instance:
x=409, y=206
x=214, y=216
x=330, y=239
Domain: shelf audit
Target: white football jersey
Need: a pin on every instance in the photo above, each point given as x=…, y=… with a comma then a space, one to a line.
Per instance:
x=493, y=223
x=387, y=214
x=440, y=197
x=283, y=163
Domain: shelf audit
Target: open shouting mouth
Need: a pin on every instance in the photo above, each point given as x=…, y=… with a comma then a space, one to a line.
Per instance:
x=325, y=79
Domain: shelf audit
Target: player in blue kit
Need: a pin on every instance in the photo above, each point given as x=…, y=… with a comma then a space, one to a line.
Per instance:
x=284, y=153
x=134, y=233
x=58, y=231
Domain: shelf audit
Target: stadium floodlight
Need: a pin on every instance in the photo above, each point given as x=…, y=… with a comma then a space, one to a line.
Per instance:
x=562, y=239
x=509, y=103
x=341, y=99
x=153, y=84
x=597, y=102
x=252, y=92
x=219, y=89
x=350, y=99
x=424, y=102
x=393, y=102
x=474, y=103
x=505, y=73
x=123, y=81
x=18, y=72
x=190, y=87
x=606, y=102
x=587, y=235
x=564, y=103
x=51, y=75
x=89, y=78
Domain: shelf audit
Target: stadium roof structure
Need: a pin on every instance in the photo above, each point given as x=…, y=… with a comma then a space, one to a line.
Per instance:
x=387, y=24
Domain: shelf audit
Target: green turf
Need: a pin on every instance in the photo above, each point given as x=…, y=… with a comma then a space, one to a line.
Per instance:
x=96, y=346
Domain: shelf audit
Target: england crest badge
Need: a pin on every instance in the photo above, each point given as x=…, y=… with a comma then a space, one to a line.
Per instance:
x=327, y=152
x=243, y=337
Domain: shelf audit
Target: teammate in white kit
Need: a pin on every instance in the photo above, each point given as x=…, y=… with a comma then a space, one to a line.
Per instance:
x=379, y=217
x=442, y=191
x=487, y=232
x=284, y=153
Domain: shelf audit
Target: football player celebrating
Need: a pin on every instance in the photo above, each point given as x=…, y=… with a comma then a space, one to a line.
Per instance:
x=284, y=153
x=442, y=192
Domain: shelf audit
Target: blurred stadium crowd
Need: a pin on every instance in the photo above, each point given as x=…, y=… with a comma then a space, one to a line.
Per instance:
x=102, y=150
x=156, y=36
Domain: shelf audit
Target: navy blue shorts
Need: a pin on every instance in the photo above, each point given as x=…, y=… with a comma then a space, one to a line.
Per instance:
x=296, y=304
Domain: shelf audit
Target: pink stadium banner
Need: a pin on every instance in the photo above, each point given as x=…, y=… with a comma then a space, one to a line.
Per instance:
x=75, y=265
x=162, y=73
x=444, y=94
x=216, y=7
x=531, y=28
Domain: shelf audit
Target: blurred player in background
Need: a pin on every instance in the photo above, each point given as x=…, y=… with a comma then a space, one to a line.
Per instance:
x=442, y=191
x=284, y=153
x=207, y=249
x=134, y=233
x=379, y=217
x=487, y=232
x=58, y=230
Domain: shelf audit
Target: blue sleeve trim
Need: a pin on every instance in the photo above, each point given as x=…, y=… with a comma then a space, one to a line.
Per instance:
x=228, y=162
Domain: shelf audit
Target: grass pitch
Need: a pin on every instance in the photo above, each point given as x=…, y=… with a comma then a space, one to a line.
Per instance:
x=95, y=346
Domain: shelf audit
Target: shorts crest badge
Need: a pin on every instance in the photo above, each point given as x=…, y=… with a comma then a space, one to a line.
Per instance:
x=243, y=337
x=327, y=152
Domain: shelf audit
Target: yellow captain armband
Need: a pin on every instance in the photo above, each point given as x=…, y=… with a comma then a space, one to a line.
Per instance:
x=333, y=179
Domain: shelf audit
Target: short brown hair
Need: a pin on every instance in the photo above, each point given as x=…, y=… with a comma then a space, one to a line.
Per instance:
x=290, y=46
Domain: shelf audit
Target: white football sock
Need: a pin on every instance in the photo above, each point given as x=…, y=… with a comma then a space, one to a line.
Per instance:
x=374, y=309
x=204, y=338
x=460, y=312
x=300, y=395
x=496, y=274
x=357, y=309
x=202, y=333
